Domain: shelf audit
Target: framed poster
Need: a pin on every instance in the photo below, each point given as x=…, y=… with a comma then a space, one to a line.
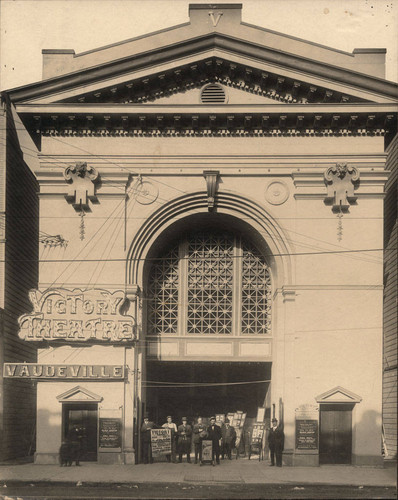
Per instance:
x=109, y=430
x=161, y=442
x=207, y=451
x=260, y=414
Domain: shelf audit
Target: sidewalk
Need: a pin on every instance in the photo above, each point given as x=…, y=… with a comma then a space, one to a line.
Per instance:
x=240, y=471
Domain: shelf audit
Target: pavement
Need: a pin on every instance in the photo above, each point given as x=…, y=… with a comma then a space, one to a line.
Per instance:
x=242, y=471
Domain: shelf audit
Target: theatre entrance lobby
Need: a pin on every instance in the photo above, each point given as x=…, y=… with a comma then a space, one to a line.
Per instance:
x=195, y=389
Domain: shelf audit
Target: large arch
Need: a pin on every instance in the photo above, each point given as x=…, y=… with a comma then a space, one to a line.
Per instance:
x=263, y=226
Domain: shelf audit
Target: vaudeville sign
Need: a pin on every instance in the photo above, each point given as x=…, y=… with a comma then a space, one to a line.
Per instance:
x=76, y=316
x=67, y=372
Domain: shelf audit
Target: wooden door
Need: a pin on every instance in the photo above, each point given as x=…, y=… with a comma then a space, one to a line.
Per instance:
x=86, y=417
x=335, y=441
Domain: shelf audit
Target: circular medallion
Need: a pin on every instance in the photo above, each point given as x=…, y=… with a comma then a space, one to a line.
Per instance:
x=276, y=193
x=145, y=192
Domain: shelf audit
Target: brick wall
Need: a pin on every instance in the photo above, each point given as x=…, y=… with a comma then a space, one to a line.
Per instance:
x=20, y=273
x=390, y=303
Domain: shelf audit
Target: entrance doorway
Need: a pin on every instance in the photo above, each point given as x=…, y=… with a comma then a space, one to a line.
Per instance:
x=84, y=415
x=195, y=389
x=335, y=441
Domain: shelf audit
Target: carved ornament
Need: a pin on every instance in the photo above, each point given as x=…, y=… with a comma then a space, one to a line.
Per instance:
x=341, y=181
x=82, y=180
x=211, y=177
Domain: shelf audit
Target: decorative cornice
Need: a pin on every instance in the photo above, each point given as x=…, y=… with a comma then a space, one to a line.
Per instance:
x=253, y=51
x=222, y=120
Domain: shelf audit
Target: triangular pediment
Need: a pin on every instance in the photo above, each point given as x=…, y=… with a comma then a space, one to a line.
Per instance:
x=338, y=395
x=79, y=394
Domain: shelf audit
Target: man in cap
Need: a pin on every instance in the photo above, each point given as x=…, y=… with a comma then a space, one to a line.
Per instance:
x=199, y=433
x=173, y=431
x=276, y=439
x=184, y=433
x=146, y=427
x=214, y=435
x=228, y=435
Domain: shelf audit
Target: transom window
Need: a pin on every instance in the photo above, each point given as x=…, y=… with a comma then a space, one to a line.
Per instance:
x=210, y=283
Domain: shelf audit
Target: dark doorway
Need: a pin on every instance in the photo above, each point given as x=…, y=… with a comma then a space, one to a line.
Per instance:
x=85, y=416
x=335, y=442
x=205, y=388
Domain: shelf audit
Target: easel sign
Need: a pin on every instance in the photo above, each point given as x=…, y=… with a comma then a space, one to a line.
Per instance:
x=207, y=451
x=256, y=444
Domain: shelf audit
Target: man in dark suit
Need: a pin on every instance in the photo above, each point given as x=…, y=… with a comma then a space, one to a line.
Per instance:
x=146, y=427
x=199, y=433
x=214, y=435
x=276, y=439
x=228, y=435
x=184, y=434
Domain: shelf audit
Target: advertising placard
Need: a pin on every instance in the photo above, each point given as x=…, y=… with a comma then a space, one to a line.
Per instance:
x=161, y=442
x=110, y=433
x=207, y=451
x=306, y=434
x=258, y=433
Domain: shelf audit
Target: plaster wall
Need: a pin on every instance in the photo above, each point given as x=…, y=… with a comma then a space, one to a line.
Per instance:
x=326, y=319
x=49, y=409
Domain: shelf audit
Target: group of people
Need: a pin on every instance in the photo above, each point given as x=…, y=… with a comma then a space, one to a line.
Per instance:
x=183, y=435
x=72, y=446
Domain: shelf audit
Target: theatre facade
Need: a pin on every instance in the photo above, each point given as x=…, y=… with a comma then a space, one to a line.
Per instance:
x=211, y=204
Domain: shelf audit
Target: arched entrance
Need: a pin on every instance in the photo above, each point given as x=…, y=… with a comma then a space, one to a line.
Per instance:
x=208, y=322
x=206, y=355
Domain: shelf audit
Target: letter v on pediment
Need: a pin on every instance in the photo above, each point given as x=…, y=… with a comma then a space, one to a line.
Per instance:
x=215, y=18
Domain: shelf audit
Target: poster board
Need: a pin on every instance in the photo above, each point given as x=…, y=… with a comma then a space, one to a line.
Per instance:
x=258, y=434
x=306, y=434
x=161, y=442
x=238, y=420
x=109, y=430
x=307, y=429
x=207, y=451
x=260, y=414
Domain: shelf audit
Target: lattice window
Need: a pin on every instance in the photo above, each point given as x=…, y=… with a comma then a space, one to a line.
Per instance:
x=163, y=293
x=210, y=284
x=222, y=286
x=256, y=292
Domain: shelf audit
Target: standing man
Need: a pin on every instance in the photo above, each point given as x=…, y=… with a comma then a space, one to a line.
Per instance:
x=199, y=433
x=173, y=429
x=184, y=433
x=214, y=435
x=146, y=439
x=228, y=435
x=276, y=440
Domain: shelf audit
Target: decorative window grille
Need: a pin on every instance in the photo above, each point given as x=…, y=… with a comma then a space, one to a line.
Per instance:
x=213, y=94
x=211, y=283
x=163, y=290
x=256, y=292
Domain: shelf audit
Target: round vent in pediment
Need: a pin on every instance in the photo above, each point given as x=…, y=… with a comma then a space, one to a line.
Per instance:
x=213, y=94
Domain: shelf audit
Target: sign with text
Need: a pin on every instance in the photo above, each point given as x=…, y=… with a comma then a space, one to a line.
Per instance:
x=76, y=316
x=161, y=442
x=110, y=433
x=258, y=433
x=207, y=451
x=306, y=434
x=65, y=372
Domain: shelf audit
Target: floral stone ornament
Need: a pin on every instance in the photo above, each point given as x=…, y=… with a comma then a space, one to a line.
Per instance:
x=341, y=181
x=82, y=181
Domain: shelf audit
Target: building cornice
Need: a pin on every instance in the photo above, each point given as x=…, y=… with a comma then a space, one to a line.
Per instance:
x=250, y=50
x=201, y=120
